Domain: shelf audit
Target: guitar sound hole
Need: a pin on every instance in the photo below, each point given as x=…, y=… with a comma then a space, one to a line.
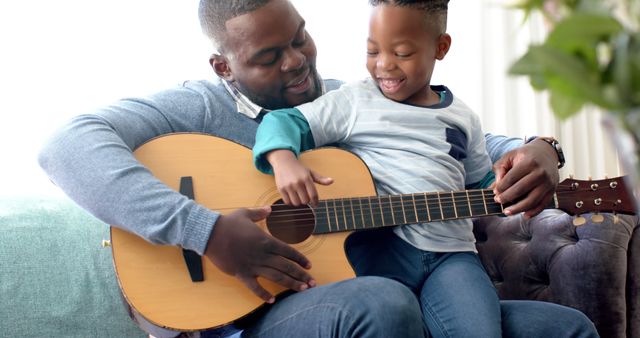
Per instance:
x=290, y=224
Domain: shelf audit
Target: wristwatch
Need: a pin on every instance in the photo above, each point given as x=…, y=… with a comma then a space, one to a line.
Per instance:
x=553, y=143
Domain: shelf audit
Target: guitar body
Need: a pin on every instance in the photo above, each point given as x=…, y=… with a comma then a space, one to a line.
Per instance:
x=154, y=278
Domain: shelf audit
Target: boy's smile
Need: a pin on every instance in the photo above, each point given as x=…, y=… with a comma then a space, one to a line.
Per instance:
x=402, y=49
x=390, y=86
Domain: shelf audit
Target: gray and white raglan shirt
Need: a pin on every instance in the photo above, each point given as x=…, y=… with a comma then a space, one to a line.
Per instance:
x=408, y=149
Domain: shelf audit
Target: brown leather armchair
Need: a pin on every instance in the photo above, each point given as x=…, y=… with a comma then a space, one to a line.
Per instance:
x=594, y=268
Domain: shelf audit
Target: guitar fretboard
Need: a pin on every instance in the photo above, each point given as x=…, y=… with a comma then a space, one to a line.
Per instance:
x=346, y=214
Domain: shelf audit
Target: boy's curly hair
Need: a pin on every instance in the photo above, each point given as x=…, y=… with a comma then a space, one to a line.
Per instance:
x=435, y=10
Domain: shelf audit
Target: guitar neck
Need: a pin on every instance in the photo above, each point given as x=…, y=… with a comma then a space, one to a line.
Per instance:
x=346, y=214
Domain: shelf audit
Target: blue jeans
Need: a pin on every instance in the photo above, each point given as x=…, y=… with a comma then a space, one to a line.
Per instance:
x=359, y=307
x=456, y=296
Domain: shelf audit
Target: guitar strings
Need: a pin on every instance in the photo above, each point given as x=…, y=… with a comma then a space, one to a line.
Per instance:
x=446, y=201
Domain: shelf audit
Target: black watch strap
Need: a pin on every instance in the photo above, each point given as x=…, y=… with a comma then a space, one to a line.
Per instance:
x=553, y=143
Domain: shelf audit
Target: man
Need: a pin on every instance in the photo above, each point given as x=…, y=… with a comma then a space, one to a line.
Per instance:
x=266, y=60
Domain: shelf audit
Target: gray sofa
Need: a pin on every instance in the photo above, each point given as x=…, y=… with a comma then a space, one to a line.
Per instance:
x=594, y=268
x=56, y=280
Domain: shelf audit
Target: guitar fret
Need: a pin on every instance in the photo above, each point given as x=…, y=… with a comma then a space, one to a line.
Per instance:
x=353, y=217
x=434, y=208
x=415, y=208
x=398, y=209
x=375, y=211
x=391, y=211
x=344, y=213
x=364, y=225
x=426, y=204
x=404, y=215
x=371, y=212
x=385, y=215
x=455, y=209
x=477, y=205
x=463, y=208
x=407, y=206
x=440, y=204
x=448, y=206
x=469, y=203
x=335, y=214
x=381, y=211
x=494, y=207
x=484, y=201
x=326, y=208
x=320, y=223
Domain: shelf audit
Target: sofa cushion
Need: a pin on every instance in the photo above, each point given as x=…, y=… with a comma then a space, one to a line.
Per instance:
x=547, y=258
x=56, y=280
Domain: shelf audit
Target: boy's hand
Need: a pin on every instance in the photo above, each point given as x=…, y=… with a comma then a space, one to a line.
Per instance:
x=295, y=182
x=527, y=176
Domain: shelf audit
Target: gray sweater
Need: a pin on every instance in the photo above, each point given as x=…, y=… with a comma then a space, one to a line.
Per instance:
x=91, y=159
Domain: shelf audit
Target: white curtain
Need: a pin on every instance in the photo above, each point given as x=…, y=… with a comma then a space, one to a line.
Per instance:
x=509, y=106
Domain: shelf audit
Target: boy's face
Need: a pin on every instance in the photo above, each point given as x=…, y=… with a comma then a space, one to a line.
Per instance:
x=269, y=57
x=401, y=54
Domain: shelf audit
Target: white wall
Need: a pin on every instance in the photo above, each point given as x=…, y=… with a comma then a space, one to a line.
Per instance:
x=66, y=57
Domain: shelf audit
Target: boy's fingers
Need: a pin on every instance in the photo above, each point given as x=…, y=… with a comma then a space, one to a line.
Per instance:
x=317, y=178
x=312, y=193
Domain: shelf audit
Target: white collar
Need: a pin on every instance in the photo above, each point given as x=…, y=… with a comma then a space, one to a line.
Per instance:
x=246, y=107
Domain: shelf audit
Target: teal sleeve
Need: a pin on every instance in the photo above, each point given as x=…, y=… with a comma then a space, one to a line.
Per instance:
x=281, y=129
x=485, y=182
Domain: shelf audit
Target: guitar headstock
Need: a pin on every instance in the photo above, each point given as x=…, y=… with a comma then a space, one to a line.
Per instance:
x=577, y=197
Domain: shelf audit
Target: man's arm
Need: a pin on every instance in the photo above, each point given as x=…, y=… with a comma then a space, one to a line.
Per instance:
x=526, y=174
x=91, y=160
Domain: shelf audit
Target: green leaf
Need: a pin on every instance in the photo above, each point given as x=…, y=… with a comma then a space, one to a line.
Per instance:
x=559, y=66
x=580, y=34
x=564, y=106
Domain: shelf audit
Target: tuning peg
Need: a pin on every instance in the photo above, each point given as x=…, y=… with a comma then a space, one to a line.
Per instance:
x=589, y=179
x=597, y=218
x=571, y=176
x=606, y=176
x=616, y=219
x=106, y=243
x=578, y=221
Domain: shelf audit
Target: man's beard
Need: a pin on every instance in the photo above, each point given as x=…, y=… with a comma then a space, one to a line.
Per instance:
x=280, y=101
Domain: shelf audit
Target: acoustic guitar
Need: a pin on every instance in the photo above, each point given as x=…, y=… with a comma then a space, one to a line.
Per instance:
x=181, y=291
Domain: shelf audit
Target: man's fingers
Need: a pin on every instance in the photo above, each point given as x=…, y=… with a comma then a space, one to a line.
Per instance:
x=500, y=168
x=518, y=189
x=279, y=248
x=285, y=278
x=524, y=204
x=257, y=289
x=510, y=178
x=258, y=214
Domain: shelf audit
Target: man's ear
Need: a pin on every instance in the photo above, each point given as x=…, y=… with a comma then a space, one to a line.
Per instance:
x=220, y=65
x=444, y=43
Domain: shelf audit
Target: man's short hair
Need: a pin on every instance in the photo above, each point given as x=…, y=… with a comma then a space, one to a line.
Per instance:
x=214, y=14
x=433, y=9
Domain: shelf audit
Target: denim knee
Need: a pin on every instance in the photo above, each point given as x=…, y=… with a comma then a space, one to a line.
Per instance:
x=389, y=307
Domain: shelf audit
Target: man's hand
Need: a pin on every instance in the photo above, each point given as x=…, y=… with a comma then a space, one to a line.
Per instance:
x=238, y=247
x=295, y=182
x=527, y=176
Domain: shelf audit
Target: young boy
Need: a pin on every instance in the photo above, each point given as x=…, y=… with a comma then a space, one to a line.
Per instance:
x=415, y=138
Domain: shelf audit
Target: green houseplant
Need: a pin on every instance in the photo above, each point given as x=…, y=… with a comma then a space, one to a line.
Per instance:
x=591, y=56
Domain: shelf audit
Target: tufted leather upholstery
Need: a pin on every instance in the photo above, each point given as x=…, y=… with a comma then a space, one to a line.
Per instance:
x=594, y=268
